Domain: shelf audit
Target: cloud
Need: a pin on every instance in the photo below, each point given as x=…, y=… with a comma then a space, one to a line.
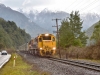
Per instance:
x=61, y=5
x=26, y=2
x=37, y=2
x=12, y=3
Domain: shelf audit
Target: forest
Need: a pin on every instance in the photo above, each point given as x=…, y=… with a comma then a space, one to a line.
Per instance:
x=73, y=40
x=11, y=36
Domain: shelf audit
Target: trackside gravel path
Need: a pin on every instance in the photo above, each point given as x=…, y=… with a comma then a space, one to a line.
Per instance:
x=56, y=68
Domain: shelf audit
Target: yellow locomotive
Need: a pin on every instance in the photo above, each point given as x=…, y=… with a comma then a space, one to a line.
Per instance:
x=43, y=45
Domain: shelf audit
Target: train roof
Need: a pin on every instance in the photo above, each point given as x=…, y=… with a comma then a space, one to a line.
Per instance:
x=46, y=34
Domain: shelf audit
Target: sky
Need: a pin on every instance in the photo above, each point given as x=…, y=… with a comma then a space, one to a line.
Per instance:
x=83, y=6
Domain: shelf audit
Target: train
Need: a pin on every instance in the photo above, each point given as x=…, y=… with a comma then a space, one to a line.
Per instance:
x=42, y=45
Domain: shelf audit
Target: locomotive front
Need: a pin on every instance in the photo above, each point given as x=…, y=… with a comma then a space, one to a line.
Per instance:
x=47, y=44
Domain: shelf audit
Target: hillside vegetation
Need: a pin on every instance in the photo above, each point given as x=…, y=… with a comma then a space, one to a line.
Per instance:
x=73, y=41
x=12, y=36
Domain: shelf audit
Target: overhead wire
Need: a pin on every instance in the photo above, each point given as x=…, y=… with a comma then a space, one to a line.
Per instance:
x=89, y=5
x=76, y=5
x=82, y=3
x=93, y=8
x=71, y=5
x=84, y=8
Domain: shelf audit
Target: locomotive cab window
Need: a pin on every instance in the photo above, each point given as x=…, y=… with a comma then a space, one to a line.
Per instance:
x=46, y=37
x=40, y=39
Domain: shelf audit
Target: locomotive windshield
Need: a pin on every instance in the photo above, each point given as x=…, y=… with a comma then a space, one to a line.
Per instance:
x=46, y=37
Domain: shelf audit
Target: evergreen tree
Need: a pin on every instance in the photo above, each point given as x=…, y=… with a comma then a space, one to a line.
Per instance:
x=70, y=31
x=5, y=40
x=11, y=35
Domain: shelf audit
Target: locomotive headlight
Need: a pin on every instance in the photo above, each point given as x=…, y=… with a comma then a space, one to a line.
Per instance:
x=46, y=34
x=54, y=48
x=40, y=48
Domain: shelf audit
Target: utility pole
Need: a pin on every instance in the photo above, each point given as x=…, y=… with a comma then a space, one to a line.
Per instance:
x=57, y=34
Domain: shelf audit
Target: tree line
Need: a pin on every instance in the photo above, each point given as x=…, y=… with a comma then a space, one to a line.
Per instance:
x=12, y=36
x=73, y=40
x=71, y=33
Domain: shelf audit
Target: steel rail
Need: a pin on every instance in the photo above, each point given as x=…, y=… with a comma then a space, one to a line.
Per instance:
x=90, y=66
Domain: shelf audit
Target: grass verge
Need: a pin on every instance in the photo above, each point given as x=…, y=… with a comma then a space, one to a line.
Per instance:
x=20, y=68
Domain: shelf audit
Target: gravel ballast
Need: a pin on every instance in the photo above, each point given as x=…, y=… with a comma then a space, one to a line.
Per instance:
x=56, y=68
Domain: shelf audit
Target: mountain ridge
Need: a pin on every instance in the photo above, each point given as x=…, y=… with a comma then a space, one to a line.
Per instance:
x=44, y=18
x=21, y=20
x=41, y=22
x=89, y=20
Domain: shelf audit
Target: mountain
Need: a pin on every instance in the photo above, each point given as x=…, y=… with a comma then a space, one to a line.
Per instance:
x=21, y=20
x=36, y=22
x=44, y=18
x=89, y=19
x=89, y=33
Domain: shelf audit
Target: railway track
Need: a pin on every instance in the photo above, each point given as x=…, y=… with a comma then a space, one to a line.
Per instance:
x=94, y=67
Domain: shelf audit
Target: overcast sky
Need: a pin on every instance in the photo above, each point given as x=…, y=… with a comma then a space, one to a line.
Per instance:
x=83, y=6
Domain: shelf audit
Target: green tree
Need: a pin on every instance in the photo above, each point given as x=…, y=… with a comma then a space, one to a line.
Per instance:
x=70, y=31
x=5, y=40
x=96, y=33
x=1, y=46
x=11, y=35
